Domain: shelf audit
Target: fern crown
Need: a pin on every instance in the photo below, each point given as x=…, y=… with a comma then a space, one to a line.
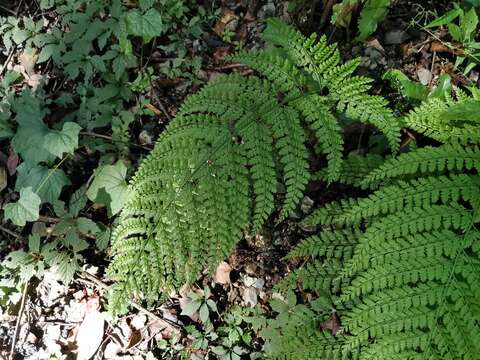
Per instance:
x=214, y=170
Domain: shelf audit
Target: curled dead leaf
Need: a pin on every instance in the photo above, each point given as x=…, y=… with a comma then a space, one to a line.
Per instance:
x=222, y=275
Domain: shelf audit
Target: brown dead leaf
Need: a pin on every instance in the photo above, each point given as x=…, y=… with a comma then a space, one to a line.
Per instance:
x=3, y=178
x=228, y=21
x=332, y=324
x=153, y=109
x=28, y=59
x=220, y=54
x=222, y=275
x=12, y=162
x=438, y=46
x=134, y=339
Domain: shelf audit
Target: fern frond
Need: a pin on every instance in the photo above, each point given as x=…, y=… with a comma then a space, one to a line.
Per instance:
x=328, y=132
x=283, y=74
x=372, y=110
x=329, y=244
x=428, y=119
x=447, y=157
x=354, y=169
x=317, y=275
x=410, y=288
x=420, y=193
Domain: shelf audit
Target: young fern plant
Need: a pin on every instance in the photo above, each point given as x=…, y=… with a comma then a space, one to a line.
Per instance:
x=215, y=169
x=403, y=264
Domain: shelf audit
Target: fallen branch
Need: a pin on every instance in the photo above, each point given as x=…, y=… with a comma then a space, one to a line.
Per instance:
x=89, y=278
x=19, y=319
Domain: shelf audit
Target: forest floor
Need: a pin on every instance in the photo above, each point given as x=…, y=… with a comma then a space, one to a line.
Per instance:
x=57, y=320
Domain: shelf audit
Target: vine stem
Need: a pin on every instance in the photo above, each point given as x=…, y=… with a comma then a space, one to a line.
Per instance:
x=19, y=319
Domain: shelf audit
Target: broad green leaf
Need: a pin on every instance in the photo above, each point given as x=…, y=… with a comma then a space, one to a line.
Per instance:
x=147, y=25
x=110, y=179
x=372, y=13
x=20, y=35
x=65, y=263
x=469, y=24
x=64, y=141
x=455, y=32
x=74, y=241
x=191, y=308
x=407, y=87
x=47, y=183
x=34, y=243
x=25, y=209
x=446, y=18
x=87, y=226
x=78, y=201
x=443, y=88
x=103, y=239
x=47, y=52
x=204, y=313
x=31, y=132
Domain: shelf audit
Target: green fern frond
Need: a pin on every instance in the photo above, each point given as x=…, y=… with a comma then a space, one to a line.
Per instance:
x=447, y=157
x=328, y=244
x=410, y=288
x=428, y=119
x=419, y=193
x=354, y=169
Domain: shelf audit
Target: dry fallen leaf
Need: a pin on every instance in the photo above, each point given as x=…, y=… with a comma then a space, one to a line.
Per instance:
x=3, y=178
x=222, y=275
x=90, y=332
x=332, y=324
x=250, y=296
x=228, y=21
x=28, y=59
x=12, y=162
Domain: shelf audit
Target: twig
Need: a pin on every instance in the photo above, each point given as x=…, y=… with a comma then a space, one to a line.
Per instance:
x=434, y=57
x=19, y=318
x=18, y=7
x=139, y=307
x=230, y=66
x=106, y=137
x=4, y=8
x=48, y=219
x=7, y=61
x=326, y=11
x=10, y=232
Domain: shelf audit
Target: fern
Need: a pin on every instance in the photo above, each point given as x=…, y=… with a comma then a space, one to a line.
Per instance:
x=214, y=171
x=408, y=259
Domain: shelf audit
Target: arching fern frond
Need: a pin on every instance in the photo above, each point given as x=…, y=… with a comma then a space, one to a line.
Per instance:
x=354, y=169
x=215, y=170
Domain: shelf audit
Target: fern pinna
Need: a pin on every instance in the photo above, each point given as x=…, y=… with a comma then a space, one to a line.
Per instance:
x=214, y=171
x=403, y=264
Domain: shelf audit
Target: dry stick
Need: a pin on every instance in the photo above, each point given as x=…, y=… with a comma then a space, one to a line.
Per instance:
x=106, y=137
x=10, y=232
x=19, y=318
x=140, y=308
x=434, y=58
x=326, y=11
x=4, y=8
x=9, y=58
